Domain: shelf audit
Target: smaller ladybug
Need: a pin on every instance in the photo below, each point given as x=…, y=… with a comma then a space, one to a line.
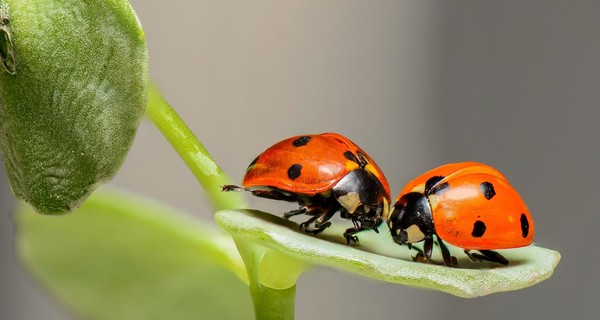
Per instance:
x=470, y=205
x=325, y=173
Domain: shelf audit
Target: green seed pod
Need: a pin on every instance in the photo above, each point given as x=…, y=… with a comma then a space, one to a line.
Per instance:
x=73, y=87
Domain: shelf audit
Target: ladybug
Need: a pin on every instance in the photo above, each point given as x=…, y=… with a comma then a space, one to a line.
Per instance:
x=325, y=173
x=470, y=205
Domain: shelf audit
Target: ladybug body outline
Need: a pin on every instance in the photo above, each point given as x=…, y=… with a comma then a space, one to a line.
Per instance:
x=469, y=205
x=325, y=173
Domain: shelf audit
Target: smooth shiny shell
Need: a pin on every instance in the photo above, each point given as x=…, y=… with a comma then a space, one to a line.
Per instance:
x=308, y=164
x=418, y=184
x=474, y=207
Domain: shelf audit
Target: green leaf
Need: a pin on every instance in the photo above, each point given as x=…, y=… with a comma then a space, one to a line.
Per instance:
x=122, y=257
x=377, y=256
x=73, y=86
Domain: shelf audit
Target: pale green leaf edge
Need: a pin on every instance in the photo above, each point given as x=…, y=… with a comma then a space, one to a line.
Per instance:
x=377, y=256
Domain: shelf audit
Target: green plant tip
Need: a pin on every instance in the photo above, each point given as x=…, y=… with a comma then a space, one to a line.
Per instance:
x=73, y=87
x=377, y=256
x=7, y=55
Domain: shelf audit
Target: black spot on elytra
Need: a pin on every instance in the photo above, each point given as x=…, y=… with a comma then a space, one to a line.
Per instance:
x=524, y=225
x=350, y=156
x=440, y=188
x=478, y=229
x=487, y=189
x=294, y=171
x=301, y=141
x=431, y=182
x=361, y=160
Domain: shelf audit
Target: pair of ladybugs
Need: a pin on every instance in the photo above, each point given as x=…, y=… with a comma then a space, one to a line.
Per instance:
x=468, y=204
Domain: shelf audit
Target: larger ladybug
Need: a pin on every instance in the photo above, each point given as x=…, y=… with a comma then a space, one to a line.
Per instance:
x=324, y=173
x=470, y=205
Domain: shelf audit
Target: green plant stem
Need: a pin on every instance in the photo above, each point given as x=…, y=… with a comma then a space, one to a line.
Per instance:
x=193, y=153
x=269, y=303
x=272, y=304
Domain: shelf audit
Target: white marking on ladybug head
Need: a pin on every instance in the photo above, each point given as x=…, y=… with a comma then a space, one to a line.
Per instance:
x=414, y=234
x=350, y=201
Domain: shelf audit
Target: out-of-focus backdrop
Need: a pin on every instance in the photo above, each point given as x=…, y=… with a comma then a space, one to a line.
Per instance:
x=515, y=84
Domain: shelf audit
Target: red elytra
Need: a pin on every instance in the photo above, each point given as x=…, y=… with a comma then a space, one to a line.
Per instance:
x=469, y=205
x=321, y=157
x=325, y=173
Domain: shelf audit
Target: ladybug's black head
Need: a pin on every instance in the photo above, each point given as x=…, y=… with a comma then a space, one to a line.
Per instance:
x=362, y=197
x=411, y=220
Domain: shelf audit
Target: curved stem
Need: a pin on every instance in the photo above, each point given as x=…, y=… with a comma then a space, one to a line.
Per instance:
x=191, y=151
x=272, y=304
x=269, y=303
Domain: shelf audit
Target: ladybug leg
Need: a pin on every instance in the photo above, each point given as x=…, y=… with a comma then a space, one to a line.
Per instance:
x=487, y=255
x=449, y=260
x=232, y=187
x=425, y=255
x=410, y=247
x=360, y=225
x=322, y=221
x=350, y=233
x=274, y=195
x=320, y=218
x=473, y=256
x=292, y=213
x=428, y=248
x=268, y=194
x=494, y=256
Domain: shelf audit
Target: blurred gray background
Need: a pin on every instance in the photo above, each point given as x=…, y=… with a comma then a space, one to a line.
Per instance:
x=515, y=84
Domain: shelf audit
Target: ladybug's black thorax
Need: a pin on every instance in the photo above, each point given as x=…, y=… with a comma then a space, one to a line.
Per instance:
x=411, y=211
x=360, y=193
